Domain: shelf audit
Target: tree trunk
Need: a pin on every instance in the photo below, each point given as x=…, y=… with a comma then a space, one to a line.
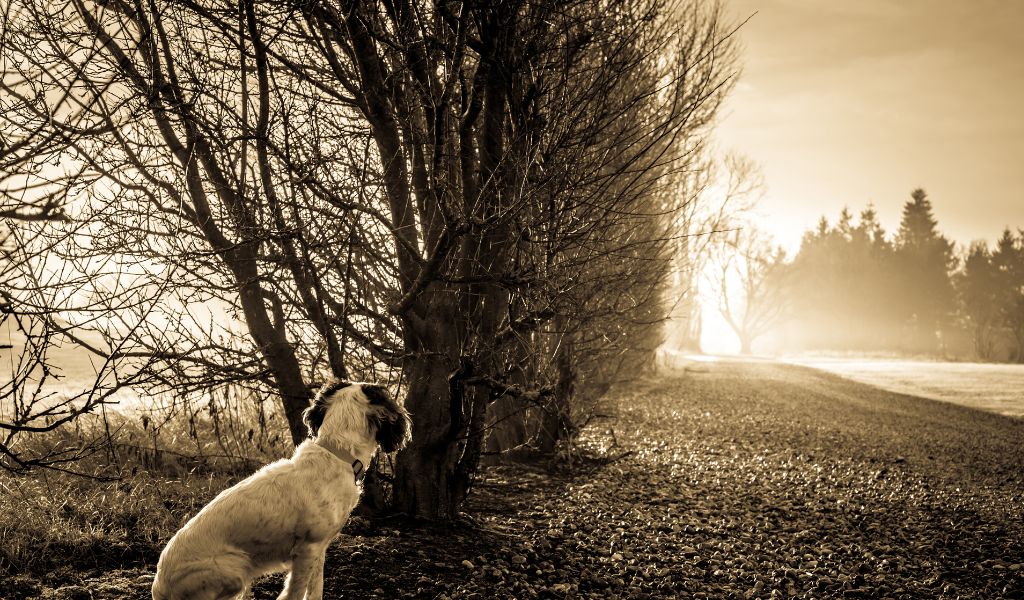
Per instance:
x=427, y=471
x=690, y=341
x=508, y=417
x=506, y=422
x=424, y=471
x=983, y=344
x=556, y=420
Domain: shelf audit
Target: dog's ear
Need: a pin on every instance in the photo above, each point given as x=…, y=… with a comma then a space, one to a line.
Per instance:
x=329, y=388
x=313, y=416
x=392, y=430
x=389, y=420
x=378, y=395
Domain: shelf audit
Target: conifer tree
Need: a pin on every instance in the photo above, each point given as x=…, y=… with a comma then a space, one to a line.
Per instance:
x=980, y=299
x=1008, y=266
x=925, y=260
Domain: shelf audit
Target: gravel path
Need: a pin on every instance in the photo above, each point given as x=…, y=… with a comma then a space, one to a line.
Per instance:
x=741, y=480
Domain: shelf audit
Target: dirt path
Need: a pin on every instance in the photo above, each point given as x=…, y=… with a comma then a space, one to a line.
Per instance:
x=748, y=480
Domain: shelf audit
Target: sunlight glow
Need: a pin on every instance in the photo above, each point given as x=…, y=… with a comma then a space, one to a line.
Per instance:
x=716, y=337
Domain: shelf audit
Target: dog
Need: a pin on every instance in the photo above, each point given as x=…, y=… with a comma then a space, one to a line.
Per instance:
x=283, y=517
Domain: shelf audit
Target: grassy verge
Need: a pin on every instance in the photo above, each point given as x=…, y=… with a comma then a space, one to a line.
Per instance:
x=151, y=471
x=52, y=520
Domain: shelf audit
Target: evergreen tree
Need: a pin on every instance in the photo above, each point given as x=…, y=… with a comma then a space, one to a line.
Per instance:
x=1008, y=263
x=980, y=292
x=842, y=283
x=873, y=229
x=925, y=261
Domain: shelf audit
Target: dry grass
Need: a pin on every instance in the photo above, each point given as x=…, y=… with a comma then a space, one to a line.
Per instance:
x=151, y=471
x=51, y=520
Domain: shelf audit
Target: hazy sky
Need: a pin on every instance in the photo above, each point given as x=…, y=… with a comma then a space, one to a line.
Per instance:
x=850, y=102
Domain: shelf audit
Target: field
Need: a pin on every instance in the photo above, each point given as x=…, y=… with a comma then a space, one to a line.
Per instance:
x=729, y=480
x=73, y=369
x=997, y=388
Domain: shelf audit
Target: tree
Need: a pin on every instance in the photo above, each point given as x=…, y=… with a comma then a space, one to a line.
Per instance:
x=1008, y=262
x=714, y=199
x=846, y=274
x=925, y=260
x=401, y=190
x=980, y=296
x=751, y=281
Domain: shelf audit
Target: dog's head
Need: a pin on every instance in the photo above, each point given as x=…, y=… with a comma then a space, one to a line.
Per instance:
x=342, y=408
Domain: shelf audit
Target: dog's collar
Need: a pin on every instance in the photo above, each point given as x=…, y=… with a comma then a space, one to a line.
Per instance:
x=357, y=465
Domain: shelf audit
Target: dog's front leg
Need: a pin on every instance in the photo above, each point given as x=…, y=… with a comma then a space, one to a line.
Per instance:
x=304, y=561
x=315, y=591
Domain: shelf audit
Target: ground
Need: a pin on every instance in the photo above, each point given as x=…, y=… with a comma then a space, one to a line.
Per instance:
x=730, y=479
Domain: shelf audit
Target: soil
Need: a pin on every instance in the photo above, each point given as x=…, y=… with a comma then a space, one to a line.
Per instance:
x=742, y=480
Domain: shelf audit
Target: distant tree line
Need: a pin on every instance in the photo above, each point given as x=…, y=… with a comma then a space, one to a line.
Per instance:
x=853, y=287
x=991, y=287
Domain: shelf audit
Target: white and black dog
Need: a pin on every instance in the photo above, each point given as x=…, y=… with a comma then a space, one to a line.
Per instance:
x=283, y=517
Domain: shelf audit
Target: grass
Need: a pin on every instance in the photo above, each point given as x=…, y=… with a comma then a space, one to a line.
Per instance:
x=49, y=520
x=150, y=473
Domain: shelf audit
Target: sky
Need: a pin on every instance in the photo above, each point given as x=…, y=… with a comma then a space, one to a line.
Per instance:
x=843, y=103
